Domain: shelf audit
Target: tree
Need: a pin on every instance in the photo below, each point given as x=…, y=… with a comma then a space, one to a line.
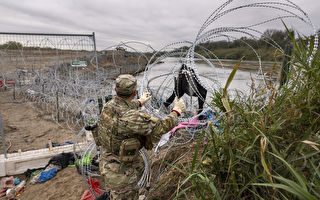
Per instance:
x=278, y=36
x=11, y=45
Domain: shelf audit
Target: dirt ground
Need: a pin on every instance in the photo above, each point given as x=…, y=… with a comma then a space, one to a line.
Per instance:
x=27, y=129
x=66, y=185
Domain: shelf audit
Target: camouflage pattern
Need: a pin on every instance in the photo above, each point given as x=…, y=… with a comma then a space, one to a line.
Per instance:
x=121, y=179
x=126, y=84
x=120, y=119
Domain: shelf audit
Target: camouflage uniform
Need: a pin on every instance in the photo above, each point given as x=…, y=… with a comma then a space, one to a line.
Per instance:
x=120, y=120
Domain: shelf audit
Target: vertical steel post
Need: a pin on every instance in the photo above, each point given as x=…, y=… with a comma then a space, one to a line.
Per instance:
x=14, y=91
x=100, y=104
x=57, y=105
x=3, y=138
x=95, y=49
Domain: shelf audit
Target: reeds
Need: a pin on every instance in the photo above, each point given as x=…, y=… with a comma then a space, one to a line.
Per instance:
x=266, y=151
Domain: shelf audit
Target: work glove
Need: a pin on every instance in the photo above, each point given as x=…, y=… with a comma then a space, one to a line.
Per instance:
x=146, y=96
x=179, y=106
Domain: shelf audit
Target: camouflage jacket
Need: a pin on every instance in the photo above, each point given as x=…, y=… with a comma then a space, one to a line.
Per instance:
x=120, y=119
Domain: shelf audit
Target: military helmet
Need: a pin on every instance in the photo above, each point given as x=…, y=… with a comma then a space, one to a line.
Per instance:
x=126, y=84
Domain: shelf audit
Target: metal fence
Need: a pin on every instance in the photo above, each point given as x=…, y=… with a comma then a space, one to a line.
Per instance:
x=29, y=52
x=60, y=74
x=51, y=71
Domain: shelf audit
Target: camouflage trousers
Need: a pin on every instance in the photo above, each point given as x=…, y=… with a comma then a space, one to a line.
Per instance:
x=121, y=179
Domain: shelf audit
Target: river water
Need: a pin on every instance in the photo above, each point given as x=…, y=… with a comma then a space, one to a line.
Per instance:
x=160, y=81
x=213, y=77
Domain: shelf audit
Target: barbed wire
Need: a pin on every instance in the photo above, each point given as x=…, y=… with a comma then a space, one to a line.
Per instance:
x=72, y=95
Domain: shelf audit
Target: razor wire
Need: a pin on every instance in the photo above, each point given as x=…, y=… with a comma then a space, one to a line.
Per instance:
x=72, y=94
x=286, y=7
x=285, y=10
x=71, y=100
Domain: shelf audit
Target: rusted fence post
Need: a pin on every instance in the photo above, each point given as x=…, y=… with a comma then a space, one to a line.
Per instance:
x=14, y=91
x=3, y=138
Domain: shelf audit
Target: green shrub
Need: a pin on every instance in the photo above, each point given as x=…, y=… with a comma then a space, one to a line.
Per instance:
x=268, y=150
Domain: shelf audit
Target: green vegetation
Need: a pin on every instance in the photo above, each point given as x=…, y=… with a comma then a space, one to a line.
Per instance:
x=235, y=53
x=12, y=45
x=238, y=48
x=267, y=150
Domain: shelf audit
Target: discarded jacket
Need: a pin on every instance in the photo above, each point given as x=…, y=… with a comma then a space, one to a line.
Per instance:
x=62, y=160
x=47, y=175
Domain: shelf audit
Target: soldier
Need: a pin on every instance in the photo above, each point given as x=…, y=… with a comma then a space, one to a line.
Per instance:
x=122, y=130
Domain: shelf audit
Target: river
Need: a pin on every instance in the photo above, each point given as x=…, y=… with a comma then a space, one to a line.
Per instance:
x=242, y=79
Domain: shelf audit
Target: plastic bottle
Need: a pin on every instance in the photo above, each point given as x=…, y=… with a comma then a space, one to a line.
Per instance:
x=13, y=191
x=20, y=186
x=50, y=144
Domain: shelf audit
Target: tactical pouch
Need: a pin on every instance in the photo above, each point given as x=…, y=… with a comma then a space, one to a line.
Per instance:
x=94, y=129
x=129, y=150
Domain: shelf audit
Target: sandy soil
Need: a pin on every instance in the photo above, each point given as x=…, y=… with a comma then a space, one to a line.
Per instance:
x=27, y=129
x=66, y=185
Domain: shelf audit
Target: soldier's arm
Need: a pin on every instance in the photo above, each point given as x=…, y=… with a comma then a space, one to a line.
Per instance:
x=165, y=125
x=137, y=122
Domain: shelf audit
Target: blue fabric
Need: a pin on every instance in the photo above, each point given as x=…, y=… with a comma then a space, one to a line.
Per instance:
x=16, y=180
x=47, y=175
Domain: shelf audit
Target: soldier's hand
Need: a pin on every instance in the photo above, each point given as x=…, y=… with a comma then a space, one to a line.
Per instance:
x=179, y=106
x=146, y=96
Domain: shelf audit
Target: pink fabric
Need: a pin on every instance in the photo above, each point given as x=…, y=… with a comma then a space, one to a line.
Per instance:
x=189, y=124
x=7, y=182
x=165, y=138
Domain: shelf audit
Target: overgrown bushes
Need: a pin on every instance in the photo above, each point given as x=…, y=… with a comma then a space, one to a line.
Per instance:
x=266, y=151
